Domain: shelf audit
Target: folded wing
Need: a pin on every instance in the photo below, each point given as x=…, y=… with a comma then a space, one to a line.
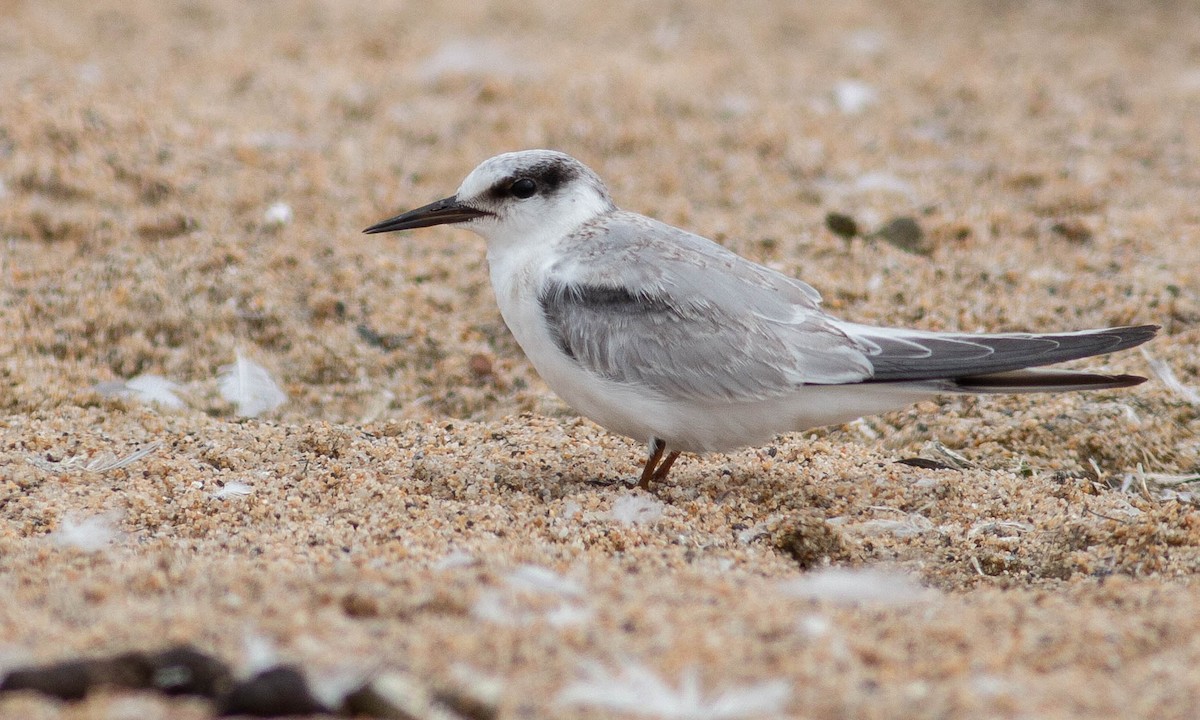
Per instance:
x=904, y=355
x=682, y=316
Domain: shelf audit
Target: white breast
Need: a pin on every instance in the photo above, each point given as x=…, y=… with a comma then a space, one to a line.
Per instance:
x=517, y=278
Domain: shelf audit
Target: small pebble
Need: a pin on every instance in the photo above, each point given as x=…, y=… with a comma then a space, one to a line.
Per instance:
x=184, y=670
x=276, y=692
x=841, y=225
x=904, y=233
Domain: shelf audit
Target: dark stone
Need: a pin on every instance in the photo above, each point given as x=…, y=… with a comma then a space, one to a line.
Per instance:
x=810, y=541
x=184, y=670
x=276, y=692
x=925, y=463
x=906, y=234
x=65, y=681
x=841, y=225
x=73, y=679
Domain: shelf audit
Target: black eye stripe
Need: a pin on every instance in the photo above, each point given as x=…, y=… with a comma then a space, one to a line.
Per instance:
x=547, y=178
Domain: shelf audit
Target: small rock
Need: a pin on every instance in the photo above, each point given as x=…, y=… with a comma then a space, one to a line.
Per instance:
x=73, y=679
x=65, y=681
x=277, y=215
x=841, y=225
x=397, y=697
x=184, y=670
x=166, y=227
x=810, y=541
x=276, y=692
x=925, y=463
x=481, y=365
x=904, y=233
x=358, y=605
x=372, y=337
x=1075, y=231
x=473, y=706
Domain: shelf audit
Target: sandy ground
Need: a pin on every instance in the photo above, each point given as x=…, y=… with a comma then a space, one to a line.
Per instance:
x=422, y=506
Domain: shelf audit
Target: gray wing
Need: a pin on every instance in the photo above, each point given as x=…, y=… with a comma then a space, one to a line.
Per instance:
x=640, y=302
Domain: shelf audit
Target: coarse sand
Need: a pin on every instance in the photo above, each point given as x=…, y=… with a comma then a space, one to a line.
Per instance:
x=183, y=181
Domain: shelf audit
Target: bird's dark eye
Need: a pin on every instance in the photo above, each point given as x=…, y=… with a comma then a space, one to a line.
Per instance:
x=523, y=188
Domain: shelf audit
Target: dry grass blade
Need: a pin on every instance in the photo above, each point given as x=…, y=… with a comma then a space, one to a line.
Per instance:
x=1162, y=486
x=948, y=456
x=1167, y=377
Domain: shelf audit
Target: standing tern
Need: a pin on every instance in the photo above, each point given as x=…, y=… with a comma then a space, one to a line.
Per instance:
x=669, y=338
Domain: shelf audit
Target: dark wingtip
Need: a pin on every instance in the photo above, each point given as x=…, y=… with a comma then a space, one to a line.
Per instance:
x=1046, y=381
x=1128, y=380
x=1134, y=335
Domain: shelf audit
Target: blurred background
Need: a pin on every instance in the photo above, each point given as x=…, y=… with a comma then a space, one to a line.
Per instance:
x=185, y=182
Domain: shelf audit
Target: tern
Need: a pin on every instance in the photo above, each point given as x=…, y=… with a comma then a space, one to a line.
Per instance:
x=669, y=338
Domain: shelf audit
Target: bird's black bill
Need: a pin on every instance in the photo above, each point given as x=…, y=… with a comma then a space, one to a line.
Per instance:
x=442, y=212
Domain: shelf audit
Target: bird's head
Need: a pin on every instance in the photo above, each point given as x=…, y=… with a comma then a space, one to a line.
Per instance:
x=515, y=199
